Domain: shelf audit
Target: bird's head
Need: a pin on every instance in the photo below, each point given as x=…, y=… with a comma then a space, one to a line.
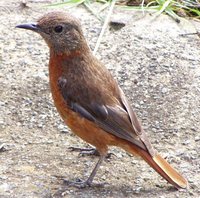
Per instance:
x=62, y=32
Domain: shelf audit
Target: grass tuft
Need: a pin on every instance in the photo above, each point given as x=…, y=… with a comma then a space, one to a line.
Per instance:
x=174, y=8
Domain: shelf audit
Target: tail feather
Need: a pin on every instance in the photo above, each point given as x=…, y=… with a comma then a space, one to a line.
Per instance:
x=168, y=172
x=161, y=166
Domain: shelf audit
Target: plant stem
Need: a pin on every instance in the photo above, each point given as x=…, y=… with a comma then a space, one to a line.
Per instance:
x=112, y=4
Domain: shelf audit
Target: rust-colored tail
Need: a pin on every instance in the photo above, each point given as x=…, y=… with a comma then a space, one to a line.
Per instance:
x=168, y=172
x=161, y=166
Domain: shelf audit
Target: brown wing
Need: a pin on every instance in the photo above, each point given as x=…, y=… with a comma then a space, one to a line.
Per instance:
x=112, y=119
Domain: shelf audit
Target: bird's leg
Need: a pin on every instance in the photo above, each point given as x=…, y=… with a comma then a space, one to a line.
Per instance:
x=91, y=177
x=85, y=151
x=88, y=182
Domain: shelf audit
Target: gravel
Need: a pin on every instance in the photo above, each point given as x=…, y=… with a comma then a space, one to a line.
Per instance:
x=157, y=68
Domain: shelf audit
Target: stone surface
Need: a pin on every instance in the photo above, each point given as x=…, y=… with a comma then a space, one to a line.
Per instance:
x=158, y=69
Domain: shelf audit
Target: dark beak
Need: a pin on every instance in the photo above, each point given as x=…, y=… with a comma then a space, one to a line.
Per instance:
x=30, y=26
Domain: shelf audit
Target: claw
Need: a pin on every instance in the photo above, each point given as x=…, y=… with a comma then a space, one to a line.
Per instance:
x=82, y=184
x=78, y=183
x=85, y=151
x=89, y=151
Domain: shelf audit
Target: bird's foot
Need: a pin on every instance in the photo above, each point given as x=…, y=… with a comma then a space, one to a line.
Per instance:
x=82, y=184
x=78, y=183
x=66, y=184
x=85, y=151
x=89, y=151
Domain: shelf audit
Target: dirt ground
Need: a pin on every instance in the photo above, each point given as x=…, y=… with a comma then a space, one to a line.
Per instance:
x=158, y=69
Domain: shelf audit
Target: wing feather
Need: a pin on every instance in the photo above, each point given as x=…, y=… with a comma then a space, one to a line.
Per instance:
x=118, y=120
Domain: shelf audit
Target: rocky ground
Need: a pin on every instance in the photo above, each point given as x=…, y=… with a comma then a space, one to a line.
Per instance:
x=158, y=69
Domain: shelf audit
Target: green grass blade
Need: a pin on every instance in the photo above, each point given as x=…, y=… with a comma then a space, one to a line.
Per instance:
x=67, y=3
x=87, y=4
x=171, y=13
x=139, y=8
x=164, y=6
x=104, y=6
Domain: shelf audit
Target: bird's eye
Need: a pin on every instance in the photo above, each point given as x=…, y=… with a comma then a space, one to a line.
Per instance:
x=58, y=29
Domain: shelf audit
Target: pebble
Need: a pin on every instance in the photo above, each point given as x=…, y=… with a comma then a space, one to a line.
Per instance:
x=186, y=142
x=4, y=187
x=197, y=138
x=164, y=90
x=2, y=147
x=62, y=128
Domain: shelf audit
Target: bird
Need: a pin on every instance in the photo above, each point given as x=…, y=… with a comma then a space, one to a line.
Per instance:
x=89, y=99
